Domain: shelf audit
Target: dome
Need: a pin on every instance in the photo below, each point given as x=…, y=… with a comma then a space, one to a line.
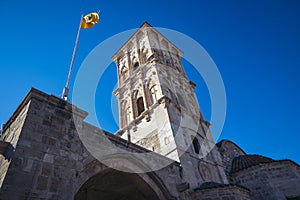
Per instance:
x=245, y=161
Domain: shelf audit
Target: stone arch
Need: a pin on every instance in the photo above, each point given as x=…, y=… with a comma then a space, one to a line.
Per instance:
x=145, y=53
x=149, y=86
x=138, y=102
x=154, y=93
x=135, y=63
x=196, y=145
x=140, y=105
x=123, y=72
x=135, y=93
x=124, y=69
x=97, y=181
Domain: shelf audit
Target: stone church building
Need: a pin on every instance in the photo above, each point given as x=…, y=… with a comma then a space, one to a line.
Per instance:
x=165, y=147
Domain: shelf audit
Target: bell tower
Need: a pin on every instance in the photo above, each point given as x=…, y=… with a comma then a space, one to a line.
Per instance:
x=158, y=109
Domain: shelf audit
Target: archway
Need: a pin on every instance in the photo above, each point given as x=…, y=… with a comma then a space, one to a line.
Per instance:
x=112, y=184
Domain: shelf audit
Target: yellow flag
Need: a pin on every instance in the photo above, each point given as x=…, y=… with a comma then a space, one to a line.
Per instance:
x=90, y=20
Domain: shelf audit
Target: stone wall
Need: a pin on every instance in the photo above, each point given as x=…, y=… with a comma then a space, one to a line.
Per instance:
x=275, y=180
x=46, y=152
x=50, y=160
x=11, y=133
x=225, y=192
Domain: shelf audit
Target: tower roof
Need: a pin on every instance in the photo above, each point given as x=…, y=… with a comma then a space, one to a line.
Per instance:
x=143, y=26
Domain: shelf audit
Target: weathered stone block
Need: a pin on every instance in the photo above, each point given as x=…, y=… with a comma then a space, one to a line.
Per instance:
x=48, y=158
x=42, y=183
x=47, y=169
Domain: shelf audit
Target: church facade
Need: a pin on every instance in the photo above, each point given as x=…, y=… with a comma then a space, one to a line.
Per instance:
x=48, y=151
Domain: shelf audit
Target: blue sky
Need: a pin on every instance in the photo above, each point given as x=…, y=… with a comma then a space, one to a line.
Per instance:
x=255, y=45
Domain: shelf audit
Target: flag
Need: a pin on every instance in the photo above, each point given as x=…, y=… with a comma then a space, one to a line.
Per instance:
x=89, y=20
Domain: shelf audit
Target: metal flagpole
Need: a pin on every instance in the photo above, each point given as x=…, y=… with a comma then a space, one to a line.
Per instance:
x=65, y=93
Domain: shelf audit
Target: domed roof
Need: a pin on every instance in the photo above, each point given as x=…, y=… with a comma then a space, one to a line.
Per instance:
x=245, y=161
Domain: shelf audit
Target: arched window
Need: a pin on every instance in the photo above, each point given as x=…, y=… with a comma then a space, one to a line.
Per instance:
x=153, y=92
x=145, y=53
x=136, y=64
x=124, y=69
x=196, y=145
x=140, y=105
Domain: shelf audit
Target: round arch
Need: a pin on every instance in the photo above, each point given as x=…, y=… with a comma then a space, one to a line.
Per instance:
x=111, y=184
x=97, y=181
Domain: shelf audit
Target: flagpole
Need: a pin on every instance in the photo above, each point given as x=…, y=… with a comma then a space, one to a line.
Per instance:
x=66, y=90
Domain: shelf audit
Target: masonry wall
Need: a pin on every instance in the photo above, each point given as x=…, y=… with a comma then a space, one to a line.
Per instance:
x=228, y=192
x=276, y=180
x=46, y=152
x=50, y=160
x=11, y=134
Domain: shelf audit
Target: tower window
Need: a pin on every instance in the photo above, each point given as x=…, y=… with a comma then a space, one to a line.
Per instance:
x=196, y=145
x=140, y=105
x=136, y=64
x=124, y=69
